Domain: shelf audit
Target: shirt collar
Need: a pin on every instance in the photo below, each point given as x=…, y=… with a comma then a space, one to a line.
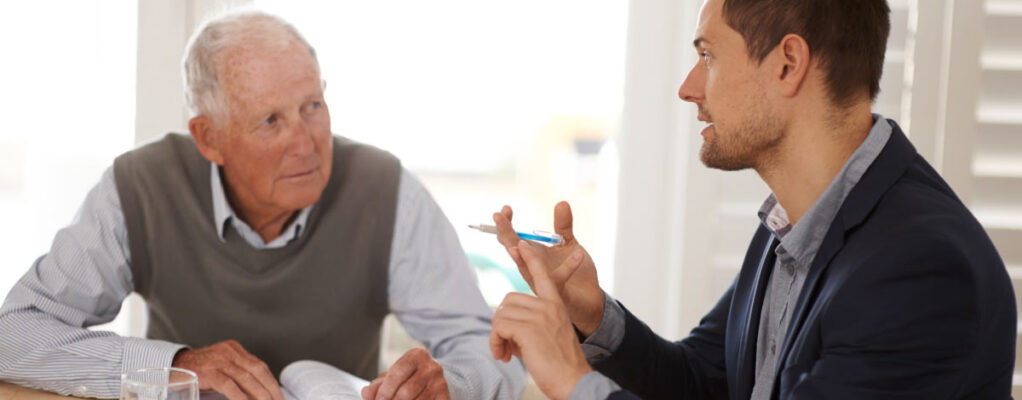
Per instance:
x=803, y=239
x=223, y=214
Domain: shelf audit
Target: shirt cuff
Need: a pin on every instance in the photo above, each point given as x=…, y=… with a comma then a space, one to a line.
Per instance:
x=144, y=353
x=593, y=385
x=608, y=336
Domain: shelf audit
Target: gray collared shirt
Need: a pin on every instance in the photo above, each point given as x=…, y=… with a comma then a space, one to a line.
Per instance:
x=86, y=275
x=795, y=253
x=223, y=214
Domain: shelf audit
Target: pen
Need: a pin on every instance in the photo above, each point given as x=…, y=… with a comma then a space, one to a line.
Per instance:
x=535, y=236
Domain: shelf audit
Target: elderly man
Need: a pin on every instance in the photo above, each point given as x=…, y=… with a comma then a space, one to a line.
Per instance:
x=258, y=240
x=867, y=278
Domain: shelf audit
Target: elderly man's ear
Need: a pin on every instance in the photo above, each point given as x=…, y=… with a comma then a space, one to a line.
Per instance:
x=206, y=139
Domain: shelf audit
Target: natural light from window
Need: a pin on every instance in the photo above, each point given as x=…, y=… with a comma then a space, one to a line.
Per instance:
x=489, y=103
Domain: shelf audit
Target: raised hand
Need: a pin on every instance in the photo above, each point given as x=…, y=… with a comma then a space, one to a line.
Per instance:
x=229, y=369
x=580, y=291
x=537, y=329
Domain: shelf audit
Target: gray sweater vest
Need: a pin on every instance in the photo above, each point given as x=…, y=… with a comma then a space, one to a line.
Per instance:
x=321, y=297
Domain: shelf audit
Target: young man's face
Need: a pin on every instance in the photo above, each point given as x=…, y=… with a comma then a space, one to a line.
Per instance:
x=728, y=88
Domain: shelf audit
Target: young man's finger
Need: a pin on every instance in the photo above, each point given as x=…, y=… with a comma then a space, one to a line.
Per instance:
x=541, y=283
x=568, y=268
x=505, y=231
x=563, y=221
x=498, y=346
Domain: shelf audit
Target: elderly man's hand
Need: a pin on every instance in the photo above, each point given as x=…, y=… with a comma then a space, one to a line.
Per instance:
x=578, y=289
x=229, y=369
x=537, y=330
x=414, y=376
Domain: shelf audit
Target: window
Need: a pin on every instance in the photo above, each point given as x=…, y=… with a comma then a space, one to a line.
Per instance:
x=488, y=103
x=69, y=106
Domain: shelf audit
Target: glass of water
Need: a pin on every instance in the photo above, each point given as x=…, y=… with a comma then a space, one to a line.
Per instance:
x=164, y=383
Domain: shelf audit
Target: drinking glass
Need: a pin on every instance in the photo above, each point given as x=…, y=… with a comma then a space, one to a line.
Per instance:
x=163, y=383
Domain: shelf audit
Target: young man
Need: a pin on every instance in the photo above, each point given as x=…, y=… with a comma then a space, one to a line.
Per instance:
x=867, y=279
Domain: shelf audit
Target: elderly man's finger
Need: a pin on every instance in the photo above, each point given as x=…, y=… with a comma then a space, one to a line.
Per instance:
x=248, y=383
x=396, y=376
x=369, y=392
x=224, y=385
x=563, y=221
x=437, y=390
x=257, y=370
x=541, y=283
x=411, y=388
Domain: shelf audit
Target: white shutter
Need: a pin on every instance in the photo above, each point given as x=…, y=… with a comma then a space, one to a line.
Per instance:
x=997, y=156
x=964, y=97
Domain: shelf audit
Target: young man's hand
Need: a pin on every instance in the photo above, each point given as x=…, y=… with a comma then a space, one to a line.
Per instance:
x=537, y=329
x=580, y=291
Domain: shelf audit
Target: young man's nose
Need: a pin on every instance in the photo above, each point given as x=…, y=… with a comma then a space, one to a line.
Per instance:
x=692, y=89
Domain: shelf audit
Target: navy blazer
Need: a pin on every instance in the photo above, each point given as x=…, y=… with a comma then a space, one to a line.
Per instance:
x=907, y=298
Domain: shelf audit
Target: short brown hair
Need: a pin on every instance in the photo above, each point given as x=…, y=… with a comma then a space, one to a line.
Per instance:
x=847, y=38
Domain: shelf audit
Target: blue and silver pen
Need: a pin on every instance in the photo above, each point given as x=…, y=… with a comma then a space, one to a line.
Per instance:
x=536, y=236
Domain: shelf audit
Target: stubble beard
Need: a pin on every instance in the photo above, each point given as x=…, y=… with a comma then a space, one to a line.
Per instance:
x=744, y=144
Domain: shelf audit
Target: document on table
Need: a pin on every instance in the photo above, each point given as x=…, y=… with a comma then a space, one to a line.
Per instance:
x=313, y=380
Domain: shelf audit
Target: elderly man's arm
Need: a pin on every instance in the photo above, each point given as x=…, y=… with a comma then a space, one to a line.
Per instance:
x=434, y=294
x=81, y=282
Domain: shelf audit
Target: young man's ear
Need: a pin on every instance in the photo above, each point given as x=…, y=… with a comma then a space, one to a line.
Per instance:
x=792, y=60
x=205, y=138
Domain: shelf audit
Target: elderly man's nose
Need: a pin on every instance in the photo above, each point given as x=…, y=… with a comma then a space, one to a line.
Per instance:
x=301, y=137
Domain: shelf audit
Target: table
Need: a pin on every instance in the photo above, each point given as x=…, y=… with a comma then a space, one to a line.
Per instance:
x=10, y=391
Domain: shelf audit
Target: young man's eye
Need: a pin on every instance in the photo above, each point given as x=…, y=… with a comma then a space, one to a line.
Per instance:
x=706, y=57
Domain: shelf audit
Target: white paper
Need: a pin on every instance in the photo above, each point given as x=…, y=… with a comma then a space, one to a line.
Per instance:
x=313, y=380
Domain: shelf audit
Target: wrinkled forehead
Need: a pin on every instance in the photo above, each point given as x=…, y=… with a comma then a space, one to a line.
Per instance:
x=254, y=71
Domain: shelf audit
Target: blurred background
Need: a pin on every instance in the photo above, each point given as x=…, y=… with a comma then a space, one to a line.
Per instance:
x=491, y=103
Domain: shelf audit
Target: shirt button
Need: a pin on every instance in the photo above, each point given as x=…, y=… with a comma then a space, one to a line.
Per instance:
x=773, y=348
x=790, y=269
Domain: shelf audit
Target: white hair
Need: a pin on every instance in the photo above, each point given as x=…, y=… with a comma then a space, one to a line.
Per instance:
x=205, y=51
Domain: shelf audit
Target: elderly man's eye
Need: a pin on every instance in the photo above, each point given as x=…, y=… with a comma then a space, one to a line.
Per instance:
x=270, y=120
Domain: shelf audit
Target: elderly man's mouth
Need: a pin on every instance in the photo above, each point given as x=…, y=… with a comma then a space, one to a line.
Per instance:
x=300, y=175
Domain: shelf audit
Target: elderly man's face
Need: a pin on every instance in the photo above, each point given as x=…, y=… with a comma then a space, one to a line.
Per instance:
x=276, y=147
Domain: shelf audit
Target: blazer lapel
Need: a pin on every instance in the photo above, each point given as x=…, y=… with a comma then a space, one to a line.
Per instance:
x=743, y=319
x=886, y=169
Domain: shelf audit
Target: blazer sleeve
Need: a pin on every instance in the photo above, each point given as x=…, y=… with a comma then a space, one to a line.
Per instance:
x=648, y=366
